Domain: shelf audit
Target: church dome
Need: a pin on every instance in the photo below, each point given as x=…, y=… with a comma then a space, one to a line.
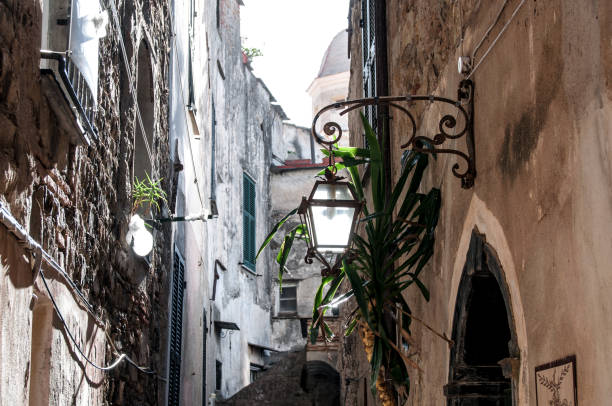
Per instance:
x=336, y=58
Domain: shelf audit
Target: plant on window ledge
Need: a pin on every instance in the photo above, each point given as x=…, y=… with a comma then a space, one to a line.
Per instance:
x=251, y=53
x=389, y=252
x=147, y=194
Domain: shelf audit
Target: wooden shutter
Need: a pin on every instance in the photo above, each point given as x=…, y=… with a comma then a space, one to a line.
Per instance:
x=248, y=222
x=176, y=330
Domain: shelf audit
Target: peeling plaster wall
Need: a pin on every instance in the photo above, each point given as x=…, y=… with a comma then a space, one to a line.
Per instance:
x=248, y=130
x=294, y=144
x=76, y=201
x=542, y=126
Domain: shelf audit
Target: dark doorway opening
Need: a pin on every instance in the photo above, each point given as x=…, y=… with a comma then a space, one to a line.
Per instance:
x=485, y=352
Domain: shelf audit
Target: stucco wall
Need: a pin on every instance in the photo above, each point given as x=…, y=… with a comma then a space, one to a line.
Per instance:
x=542, y=194
x=295, y=143
x=248, y=130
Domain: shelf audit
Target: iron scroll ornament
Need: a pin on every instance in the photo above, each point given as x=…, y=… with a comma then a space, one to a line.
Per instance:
x=464, y=105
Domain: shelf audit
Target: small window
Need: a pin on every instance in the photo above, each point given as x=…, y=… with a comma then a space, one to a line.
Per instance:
x=218, y=374
x=248, y=222
x=213, y=148
x=288, y=299
x=191, y=101
x=255, y=371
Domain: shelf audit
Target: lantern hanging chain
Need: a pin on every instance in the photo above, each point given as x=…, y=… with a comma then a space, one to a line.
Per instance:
x=332, y=161
x=516, y=10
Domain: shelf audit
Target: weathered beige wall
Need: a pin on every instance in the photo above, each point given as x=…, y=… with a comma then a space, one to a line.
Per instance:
x=543, y=119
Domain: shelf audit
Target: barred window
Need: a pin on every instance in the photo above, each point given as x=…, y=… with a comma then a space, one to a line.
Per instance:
x=368, y=40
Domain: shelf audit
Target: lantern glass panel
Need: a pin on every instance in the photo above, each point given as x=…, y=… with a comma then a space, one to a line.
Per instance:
x=332, y=191
x=332, y=227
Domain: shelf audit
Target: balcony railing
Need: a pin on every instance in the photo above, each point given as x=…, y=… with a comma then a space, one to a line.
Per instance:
x=76, y=88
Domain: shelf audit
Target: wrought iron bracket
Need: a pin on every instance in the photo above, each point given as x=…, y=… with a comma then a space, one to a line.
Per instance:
x=435, y=144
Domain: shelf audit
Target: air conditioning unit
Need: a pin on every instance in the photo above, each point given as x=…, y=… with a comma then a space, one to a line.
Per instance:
x=69, y=62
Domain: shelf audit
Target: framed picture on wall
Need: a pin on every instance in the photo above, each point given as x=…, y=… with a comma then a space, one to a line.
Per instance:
x=556, y=383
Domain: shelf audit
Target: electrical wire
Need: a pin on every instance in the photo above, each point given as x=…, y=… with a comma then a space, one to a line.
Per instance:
x=113, y=364
x=516, y=10
x=484, y=37
x=180, y=77
x=11, y=224
x=117, y=26
x=19, y=231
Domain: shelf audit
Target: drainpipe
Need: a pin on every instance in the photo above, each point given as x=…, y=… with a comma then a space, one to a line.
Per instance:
x=312, y=150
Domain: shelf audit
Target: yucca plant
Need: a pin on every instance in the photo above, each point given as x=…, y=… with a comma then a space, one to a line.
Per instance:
x=394, y=243
x=147, y=193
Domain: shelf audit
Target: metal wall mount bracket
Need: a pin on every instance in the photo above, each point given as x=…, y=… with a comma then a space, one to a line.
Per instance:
x=435, y=144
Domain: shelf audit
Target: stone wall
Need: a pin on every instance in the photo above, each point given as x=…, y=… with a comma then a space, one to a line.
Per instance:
x=76, y=200
x=541, y=197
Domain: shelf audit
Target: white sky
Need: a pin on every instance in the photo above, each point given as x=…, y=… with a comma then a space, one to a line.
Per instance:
x=293, y=36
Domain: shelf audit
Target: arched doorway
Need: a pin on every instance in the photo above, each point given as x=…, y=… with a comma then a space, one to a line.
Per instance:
x=484, y=361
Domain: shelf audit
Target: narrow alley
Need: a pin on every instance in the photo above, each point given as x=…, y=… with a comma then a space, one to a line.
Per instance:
x=322, y=203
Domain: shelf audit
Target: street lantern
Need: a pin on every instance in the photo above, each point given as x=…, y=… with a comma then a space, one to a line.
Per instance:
x=141, y=240
x=138, y=237
x=330, y=214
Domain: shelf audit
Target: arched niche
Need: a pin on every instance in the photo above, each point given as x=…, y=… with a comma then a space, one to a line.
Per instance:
x=484, y=361
x=145, y=98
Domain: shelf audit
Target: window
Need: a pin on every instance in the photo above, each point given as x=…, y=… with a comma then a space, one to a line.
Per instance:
x=176, y=330
x=69, y=43
x=143, y=142
x=254, y=371
x=368, y=40
x=218, y=374
x=213, y=146
x=214, y=212
x=248, y=222
x=191, y=101
x=288, y=299
x=204, y=340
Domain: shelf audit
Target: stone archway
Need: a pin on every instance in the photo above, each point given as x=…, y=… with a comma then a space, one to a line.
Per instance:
x=480, y=217
x=484, y=362
x=142, y=162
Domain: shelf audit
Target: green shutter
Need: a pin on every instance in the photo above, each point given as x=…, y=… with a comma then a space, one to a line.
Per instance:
x=248, y=221
x=176, y=330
